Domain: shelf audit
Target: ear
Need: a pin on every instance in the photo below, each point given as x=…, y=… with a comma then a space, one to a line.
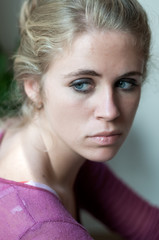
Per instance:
x=32, y=90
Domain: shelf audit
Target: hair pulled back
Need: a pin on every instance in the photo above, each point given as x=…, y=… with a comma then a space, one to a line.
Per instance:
x=48, y=26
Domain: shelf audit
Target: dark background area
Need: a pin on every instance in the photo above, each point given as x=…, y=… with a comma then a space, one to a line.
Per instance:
x=8, y=44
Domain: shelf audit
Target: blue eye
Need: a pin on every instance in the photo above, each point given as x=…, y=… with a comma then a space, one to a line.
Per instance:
x=126, y=84
x=82, y=85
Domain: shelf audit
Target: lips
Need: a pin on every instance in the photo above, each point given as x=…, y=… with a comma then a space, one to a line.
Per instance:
x=105, y=138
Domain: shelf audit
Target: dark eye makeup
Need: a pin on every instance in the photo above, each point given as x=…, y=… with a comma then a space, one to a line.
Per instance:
x=87, y=85
x=127, y=84
x=83, y=85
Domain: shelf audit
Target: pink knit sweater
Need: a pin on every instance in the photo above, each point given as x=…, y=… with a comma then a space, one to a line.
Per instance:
x=32, y=213
x=111, y=201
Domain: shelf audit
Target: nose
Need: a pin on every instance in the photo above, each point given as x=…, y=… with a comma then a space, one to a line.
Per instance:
x=107, y=106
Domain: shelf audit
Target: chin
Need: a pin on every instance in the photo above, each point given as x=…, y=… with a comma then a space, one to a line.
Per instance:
x=102, y=155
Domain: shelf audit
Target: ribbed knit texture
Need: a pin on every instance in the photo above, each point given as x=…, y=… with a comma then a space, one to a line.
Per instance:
x=107, y=198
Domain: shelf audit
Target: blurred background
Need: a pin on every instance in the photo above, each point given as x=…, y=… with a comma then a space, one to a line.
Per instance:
x=137, y=163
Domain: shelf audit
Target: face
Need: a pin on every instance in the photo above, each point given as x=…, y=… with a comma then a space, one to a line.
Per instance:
x=92, y=93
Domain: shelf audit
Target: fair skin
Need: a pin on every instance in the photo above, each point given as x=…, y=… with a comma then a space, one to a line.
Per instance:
x=91, y=94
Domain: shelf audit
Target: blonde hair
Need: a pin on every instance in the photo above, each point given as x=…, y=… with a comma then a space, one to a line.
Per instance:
x=48, y=26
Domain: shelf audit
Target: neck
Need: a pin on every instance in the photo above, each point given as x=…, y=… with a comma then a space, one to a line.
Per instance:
x=37, y=157
x=57, y=165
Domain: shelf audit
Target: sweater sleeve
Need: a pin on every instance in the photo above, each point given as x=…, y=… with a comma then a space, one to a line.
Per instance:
x=30, y=213
x=112, y=202
x=56, y=231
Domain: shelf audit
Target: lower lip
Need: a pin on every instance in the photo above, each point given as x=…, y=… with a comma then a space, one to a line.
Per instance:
x=105, y=140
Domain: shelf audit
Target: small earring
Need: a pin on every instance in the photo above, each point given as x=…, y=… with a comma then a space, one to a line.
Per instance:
x=39, y=106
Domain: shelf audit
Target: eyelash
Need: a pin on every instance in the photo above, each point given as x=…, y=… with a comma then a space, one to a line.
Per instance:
x=84, y=85
x=129, y=81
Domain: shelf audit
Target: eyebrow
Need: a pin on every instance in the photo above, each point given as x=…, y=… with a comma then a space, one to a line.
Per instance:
x=88, y=72
x=132, y=73
x=82, y=72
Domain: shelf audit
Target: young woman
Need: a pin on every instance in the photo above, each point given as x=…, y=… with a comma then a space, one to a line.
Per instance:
x=80, y=67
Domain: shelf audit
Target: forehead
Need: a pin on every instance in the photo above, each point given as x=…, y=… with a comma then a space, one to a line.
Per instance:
x=102, y=50
x=107, y=41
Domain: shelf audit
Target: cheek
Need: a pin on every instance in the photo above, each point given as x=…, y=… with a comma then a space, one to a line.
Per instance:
x=64, y=114
x=131, y=106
